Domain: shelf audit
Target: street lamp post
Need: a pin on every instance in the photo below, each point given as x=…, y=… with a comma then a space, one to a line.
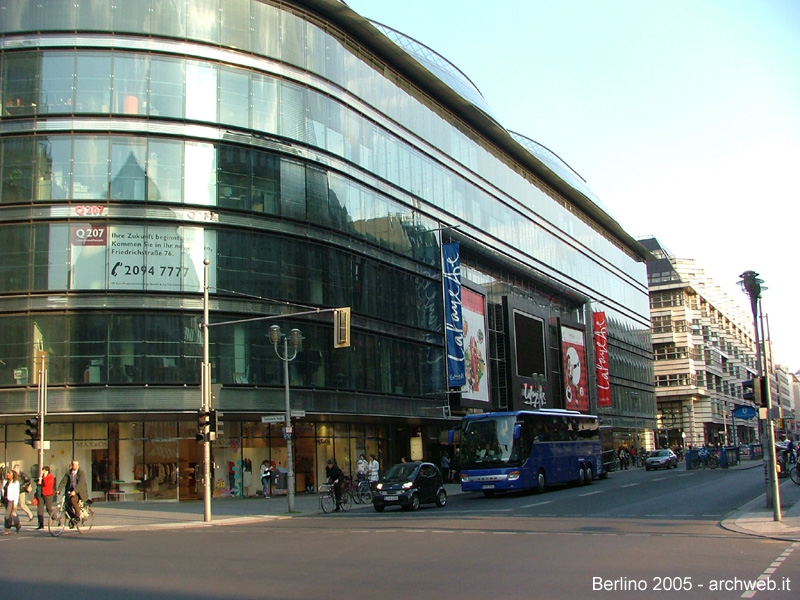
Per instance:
x=294, y=338
x=751, y=285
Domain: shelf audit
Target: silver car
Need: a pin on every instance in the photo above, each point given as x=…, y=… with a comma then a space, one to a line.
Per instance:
x=661, y=459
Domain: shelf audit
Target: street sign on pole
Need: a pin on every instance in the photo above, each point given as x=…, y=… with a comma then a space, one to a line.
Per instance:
x=296, y=414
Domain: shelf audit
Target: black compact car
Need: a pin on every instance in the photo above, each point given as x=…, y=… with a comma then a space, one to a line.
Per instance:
x=409, y=485
x=661, y=459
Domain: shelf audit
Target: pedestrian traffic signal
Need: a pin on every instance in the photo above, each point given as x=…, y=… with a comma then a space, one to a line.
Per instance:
x=216, y=424
x=203, y=426
x=751, y=390
x=32, y=432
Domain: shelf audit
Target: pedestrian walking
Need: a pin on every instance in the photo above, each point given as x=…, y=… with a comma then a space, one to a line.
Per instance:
x=373, y=468
x=266, y=478
x=24, y=488
x=45, y=492
x=10, y=498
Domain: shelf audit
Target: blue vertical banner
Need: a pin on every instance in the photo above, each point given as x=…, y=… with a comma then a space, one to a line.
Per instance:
x=453, y=323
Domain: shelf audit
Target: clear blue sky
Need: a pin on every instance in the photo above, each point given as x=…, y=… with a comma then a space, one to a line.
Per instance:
x=682, y=115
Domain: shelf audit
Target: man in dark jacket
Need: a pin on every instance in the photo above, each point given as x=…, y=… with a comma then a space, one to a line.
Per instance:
x=336, y=477
x=24, y=488
x=75, y=488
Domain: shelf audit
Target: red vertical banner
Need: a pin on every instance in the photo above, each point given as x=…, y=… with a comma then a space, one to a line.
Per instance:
x=600, y=334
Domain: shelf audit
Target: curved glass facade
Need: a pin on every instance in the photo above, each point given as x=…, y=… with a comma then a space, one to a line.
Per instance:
x=139, y=138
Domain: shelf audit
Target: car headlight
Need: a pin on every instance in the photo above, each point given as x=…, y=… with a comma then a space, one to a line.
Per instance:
x=408, y=485
x=379, y=486
x=464, y=478
x=513, y=475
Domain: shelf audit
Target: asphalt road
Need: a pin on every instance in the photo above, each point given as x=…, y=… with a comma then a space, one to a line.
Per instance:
x=608, y=540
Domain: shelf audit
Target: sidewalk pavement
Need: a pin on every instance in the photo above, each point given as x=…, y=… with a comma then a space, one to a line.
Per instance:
x=754, y=518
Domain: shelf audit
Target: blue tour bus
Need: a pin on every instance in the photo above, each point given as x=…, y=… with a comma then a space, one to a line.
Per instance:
x=523, y=450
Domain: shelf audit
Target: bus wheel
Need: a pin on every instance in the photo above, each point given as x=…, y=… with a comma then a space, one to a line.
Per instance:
x=581, y=475
x=587, y=479
x=541, y=482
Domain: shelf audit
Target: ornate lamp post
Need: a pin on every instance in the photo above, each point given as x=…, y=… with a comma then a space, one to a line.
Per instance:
x=293, y=338
x=751, y=285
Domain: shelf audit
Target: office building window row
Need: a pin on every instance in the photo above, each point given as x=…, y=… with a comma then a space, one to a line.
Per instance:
x=135, y=348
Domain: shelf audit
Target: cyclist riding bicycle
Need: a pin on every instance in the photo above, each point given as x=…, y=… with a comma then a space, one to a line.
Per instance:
x=76, y=490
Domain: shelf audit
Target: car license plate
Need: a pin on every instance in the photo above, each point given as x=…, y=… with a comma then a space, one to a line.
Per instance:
x=488, y=486
x=390, y=498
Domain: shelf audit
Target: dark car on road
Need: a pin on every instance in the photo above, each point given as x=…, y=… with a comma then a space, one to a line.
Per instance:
x=409, y=485
x=661, y=459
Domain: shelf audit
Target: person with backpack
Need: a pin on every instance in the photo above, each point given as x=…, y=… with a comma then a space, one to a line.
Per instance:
x=24, y=488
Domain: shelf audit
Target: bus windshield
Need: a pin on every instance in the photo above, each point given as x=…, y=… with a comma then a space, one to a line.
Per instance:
x=488, y=441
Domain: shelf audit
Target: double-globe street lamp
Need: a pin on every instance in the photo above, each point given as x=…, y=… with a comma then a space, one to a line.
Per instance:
x=294, y=337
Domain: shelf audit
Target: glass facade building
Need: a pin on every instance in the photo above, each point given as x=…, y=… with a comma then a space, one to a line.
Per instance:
x=316, y=161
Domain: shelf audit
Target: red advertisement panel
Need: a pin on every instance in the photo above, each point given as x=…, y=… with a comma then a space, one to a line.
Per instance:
x=576, y=394
x=601, y=353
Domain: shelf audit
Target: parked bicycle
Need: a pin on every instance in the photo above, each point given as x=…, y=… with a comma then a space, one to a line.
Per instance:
x=361, y=491
x=61, y=518
x=327, y=498
x=794, y=473
x=705, y=458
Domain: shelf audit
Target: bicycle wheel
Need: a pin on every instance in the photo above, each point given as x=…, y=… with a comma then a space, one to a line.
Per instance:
x=84, y=524
x=365, y=493
x=345, y=500
x=794, y=473
x=713, y=461
x=695, y=463
x=354, y=495
x=326, y=501
x=57, y=523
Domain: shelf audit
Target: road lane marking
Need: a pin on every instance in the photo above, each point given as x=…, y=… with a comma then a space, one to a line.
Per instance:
x=629, y=485
x=537, y=504
x=590, y=493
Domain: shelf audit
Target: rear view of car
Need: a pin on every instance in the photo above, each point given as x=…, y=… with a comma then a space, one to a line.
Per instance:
x=409, y=485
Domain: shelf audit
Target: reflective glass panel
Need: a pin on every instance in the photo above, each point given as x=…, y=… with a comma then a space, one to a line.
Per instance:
x=234, y=97
x=166, y=87
x=57, y=87
x=93, y=83
x=201, y=174
x=130, y=84
x=201, y=91
x=165, y=171
x=19, y=83
x=128, y=169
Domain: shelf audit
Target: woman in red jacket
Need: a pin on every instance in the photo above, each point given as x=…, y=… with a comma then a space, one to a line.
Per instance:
x=44, y=494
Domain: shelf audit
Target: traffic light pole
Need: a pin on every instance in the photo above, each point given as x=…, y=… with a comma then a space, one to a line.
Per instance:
x=341, y=339
x=205, y=388
x=751, y=285
x=41, y=408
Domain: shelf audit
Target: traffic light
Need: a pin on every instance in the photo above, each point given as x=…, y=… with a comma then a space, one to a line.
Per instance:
x=203, y=426
x=763, y=392
x=32, y=432
x=341, y=327
x=216, y=424
x=751, y=390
